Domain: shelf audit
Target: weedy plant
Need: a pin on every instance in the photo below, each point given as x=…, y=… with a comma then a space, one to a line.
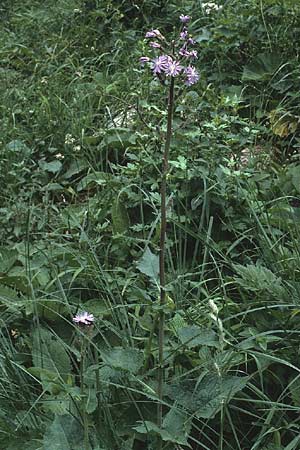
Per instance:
x=173, y=63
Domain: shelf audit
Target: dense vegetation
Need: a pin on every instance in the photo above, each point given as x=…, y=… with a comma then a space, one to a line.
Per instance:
x=82, y=131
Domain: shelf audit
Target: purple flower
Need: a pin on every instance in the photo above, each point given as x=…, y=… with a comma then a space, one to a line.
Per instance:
x=144, y=60
x=154, y=34
x=193, y=54
x=192, y=75
x=191, y=41
x=154, y=45
x=160, y=64
x=184, y=34
x=174, y=68
x=184, y=19
x=188, y=54
x=84, y=318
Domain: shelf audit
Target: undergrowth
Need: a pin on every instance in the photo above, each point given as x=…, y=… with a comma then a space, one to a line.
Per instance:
x=82, y=127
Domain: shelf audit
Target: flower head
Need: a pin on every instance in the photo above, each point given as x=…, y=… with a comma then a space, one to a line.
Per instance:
x=184, y=34
x=84, y=318
x=191, y=41
x=154, y=44
x=184, y=19
x=160, y=64
x=154, y=34
x=144, y=60
x=192, y=76
x=210, y=7
x=174, y=68
x=188, y=54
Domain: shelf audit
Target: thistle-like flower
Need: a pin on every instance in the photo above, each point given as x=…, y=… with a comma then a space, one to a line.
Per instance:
x=173, y=69
x=175, y=57
x=154, y=44
x=160, y=64
x=184, y=19
x=84, y=319
x=192, y=76
x=154, y=34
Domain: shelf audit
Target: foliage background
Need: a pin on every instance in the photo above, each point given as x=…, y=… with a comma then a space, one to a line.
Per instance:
x=80, y=154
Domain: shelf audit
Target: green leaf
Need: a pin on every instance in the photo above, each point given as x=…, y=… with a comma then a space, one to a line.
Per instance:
x=262, y=68
x=204, y=35
x=194, y=336
x=295, y=174
x=148, y=427
x=149, y=265
x=205, y=397
x=177, y=423
x=96, y=178
x=257, y=278
x=18, y=147
x=64, y=433
x=294, y=388
x=53, y=166
x=127, y=359
x=91, y=401
x=98, y=307
x=48, y=353
x=8, y=257
x=119, y=215
x=75, y=168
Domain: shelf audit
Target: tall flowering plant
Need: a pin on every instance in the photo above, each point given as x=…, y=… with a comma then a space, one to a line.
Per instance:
x=172, y=60
x=175, y=58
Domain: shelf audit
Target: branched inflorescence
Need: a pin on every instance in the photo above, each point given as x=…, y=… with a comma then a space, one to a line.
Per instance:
x=175, y=58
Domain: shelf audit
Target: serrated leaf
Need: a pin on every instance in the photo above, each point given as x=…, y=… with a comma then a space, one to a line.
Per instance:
x=127, y=359
x=204, y=398
x=64, y=433
x=194, y=336
x=257, y=278
x=149, y=265
x=177, y=423
x=148, y=427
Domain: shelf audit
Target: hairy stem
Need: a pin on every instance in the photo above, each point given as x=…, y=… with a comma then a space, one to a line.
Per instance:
x=162, y=277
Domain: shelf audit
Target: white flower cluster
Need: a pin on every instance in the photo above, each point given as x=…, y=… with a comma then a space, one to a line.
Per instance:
x=210, y=7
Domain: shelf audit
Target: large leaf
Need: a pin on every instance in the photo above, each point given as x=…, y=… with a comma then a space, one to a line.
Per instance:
x=257, y=278
x=148, y=427
x=127, y=359
x=64, y=433
x=52, y=166
x=262, y=68
x=149, y=265
x=205, y=397
x=18, y=146
x=194, y=336
x=48, y=353
x=7, y=259
x=95, y=178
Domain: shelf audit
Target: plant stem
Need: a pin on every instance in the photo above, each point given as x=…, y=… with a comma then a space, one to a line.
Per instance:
x=162, y=277
x=83, y=403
